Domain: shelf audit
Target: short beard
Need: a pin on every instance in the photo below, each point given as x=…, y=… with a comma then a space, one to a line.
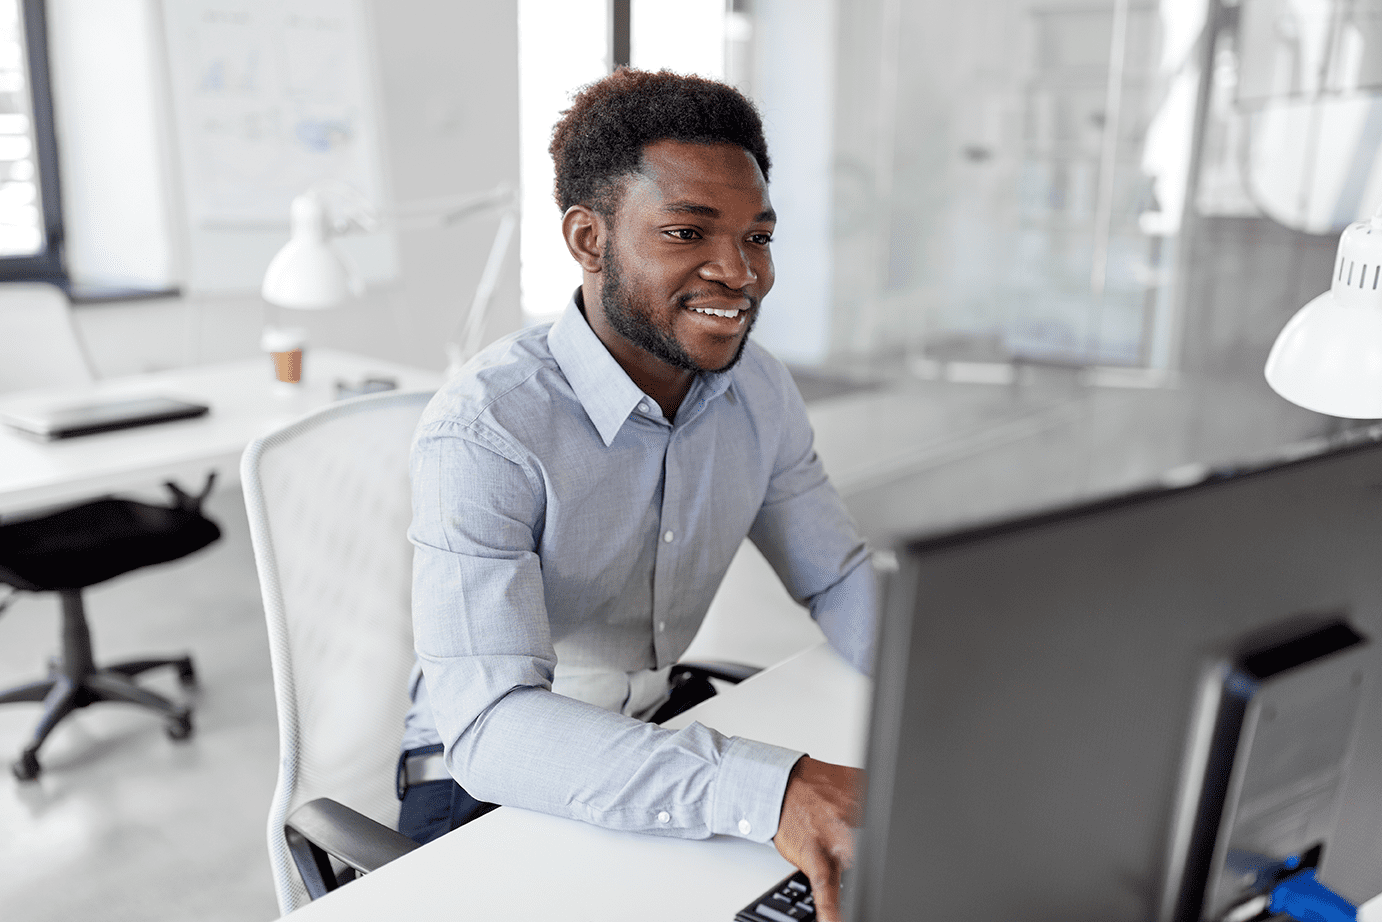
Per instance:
x=633, y=320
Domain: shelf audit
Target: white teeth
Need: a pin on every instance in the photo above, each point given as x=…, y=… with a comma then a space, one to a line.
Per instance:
x=716, y=313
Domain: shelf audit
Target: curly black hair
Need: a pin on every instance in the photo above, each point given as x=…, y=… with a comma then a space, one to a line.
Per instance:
x=600, y=139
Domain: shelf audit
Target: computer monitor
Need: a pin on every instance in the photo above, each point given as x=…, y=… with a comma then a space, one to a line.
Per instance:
x=1040, y=694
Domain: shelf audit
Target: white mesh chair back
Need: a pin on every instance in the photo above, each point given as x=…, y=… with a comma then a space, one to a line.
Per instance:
x=329, y=507
x=38, y=344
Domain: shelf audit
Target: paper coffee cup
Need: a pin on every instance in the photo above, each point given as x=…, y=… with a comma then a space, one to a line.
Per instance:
x=285, y=345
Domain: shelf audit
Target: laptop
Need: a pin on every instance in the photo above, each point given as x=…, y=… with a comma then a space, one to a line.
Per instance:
x=51, y=421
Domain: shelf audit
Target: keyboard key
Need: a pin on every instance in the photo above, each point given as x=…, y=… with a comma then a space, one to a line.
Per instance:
x=789, y=901
x=792, y=914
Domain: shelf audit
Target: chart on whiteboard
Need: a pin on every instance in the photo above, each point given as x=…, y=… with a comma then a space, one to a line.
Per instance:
x=271, y=96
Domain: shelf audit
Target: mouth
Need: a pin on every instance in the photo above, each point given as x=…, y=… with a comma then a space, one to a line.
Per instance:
x=721, y=312
x=735, y=310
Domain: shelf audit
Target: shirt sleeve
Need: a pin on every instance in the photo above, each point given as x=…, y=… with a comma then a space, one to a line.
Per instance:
x=808, y=536
x=484, y=644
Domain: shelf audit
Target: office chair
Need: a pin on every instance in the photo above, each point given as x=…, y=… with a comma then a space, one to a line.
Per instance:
x=67, y=550
x=329, y=505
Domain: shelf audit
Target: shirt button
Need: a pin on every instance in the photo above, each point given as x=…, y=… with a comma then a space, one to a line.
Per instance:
x=643, y=408
x=664, y=817
x=668, y=535
x=662, y=625
x=745, y=828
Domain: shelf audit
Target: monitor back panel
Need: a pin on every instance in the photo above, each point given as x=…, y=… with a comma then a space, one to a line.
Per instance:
x=1037, y=681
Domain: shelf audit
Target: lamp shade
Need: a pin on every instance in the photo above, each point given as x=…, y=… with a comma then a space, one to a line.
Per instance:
x=1328, y=357
x=310, y=273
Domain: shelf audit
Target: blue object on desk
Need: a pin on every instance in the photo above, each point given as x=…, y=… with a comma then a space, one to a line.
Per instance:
x=1305, y=899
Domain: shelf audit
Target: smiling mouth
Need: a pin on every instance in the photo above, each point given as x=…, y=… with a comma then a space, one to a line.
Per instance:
x=717, y=312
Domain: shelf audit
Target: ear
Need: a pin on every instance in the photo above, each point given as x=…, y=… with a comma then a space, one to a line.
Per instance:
x=584, y=231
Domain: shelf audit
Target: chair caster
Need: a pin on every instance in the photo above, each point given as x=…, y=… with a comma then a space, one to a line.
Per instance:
x=26, y=768
x=187, y=676
x=179, y=727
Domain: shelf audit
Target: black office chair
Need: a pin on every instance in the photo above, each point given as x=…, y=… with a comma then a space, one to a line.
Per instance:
x=71, y=549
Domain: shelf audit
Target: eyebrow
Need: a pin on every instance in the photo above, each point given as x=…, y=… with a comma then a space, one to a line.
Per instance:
x=706, y=211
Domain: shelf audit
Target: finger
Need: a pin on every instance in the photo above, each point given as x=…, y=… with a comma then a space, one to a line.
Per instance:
x=825, y=886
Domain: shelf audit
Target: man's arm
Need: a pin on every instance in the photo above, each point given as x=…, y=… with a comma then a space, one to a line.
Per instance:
x=809, y=538
x=483, y=638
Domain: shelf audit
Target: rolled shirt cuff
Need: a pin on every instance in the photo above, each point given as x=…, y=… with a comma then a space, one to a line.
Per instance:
x=749, y=789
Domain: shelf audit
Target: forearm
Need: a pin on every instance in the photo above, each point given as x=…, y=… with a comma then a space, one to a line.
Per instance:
x=545, y=752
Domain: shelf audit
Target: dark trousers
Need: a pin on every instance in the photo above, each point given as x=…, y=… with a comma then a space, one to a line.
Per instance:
x=433, y=808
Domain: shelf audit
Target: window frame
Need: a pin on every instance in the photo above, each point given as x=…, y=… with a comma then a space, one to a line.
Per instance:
x=47, y=265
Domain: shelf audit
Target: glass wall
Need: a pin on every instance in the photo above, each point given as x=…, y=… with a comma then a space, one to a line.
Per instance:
x=1013, y=181
x=1077, y=226
x=1023, y=180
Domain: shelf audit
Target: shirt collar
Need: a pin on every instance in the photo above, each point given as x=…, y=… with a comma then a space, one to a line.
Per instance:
x=604, y=389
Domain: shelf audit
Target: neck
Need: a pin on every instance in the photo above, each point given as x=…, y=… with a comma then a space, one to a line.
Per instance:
x=667, y=384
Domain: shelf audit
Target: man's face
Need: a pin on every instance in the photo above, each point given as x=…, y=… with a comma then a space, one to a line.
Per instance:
x=688, y=261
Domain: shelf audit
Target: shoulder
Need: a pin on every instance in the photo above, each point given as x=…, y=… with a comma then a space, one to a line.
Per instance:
x=512, y=370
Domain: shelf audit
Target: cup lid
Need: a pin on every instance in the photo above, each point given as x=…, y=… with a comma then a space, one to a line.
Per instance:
x=282, y=339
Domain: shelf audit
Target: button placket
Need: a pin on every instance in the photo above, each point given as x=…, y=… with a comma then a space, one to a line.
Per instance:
x=669, y=540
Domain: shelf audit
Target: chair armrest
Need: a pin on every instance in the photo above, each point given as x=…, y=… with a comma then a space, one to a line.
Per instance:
x=322, y=829
x=716, y=669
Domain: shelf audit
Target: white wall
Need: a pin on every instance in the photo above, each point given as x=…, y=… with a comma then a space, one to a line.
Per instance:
x=447, y=90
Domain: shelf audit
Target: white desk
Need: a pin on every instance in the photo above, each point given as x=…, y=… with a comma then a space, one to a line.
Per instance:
x=245, y=401
x=517, y=865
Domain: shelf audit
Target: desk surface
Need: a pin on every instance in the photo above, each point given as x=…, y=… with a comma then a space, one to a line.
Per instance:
x=245, y=401
x=519, y=865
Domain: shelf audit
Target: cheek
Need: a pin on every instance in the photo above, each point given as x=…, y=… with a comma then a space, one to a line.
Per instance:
x=766, y=276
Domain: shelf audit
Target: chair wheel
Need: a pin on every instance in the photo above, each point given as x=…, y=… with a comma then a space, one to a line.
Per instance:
x=26, y=769
x=187, y=676
x=179, y=728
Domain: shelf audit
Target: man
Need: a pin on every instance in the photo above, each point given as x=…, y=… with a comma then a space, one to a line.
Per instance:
x=580, y=489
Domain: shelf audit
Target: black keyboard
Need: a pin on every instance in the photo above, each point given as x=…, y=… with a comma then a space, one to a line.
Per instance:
x=789, y=901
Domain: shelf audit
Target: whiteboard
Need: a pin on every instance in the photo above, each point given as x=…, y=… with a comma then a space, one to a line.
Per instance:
x=269, y=98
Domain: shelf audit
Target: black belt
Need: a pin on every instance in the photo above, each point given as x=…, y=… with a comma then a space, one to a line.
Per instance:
x=418, y=766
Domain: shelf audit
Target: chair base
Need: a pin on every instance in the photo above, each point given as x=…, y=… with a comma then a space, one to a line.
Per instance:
x=74, y=682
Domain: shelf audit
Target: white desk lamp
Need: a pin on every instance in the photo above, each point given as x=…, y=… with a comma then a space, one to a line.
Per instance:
x=1328, y=357
x=311, y=273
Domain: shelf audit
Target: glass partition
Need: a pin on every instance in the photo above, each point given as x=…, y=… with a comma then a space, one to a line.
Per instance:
x=1018, y=171
x=1071, y=230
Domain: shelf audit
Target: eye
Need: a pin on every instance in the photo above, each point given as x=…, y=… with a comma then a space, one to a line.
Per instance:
x=761, y=239
x=685, y=233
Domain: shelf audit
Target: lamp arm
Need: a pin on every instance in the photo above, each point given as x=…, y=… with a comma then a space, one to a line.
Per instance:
x=446, y=211
x=457, y=354
x=337, y=209
x=347, y=209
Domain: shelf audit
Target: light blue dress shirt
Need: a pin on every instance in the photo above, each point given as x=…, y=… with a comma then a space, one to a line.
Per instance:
x=568, y=542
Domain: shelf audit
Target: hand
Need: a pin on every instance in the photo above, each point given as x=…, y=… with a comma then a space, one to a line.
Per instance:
x=822, y=805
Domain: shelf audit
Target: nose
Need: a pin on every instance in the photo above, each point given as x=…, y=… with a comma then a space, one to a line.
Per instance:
x=731, y=265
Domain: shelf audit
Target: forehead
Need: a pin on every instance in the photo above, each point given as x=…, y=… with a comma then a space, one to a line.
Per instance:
x=676, y=176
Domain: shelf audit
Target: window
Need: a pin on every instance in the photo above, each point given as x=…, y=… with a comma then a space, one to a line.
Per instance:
x=563, y=45
x=30, y=211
